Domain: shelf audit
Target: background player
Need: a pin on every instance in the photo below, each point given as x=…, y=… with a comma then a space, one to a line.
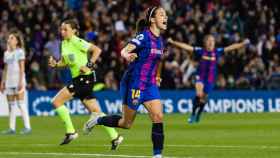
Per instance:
x=13, y=82
x=75, y=56
x=139, y=84
x=206, y=71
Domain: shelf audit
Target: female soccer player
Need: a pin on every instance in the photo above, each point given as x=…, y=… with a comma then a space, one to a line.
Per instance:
x=207, y=70
x=13, y=81
x=75, y=56
x=139, y=83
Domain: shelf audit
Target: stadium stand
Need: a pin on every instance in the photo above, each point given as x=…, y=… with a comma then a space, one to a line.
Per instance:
x=110, y=23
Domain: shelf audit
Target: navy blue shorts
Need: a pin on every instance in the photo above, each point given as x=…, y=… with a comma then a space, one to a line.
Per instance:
x=134, y=97
x=207, y=87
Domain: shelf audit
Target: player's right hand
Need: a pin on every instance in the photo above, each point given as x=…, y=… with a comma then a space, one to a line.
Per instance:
x=84, y=69
x=52, y=62
x=158, y=80
x=130, y=57
x=170, y=40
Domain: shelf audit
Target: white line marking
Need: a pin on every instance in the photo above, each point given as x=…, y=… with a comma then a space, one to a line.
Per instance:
x=170, y=145
x=228, y=146
x=81, y=154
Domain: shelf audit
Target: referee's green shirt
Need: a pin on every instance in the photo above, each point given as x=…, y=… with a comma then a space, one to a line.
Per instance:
x=74, y=53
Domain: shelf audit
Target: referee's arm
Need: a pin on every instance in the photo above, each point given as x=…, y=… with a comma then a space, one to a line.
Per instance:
x=56, y=64
x=95, y=53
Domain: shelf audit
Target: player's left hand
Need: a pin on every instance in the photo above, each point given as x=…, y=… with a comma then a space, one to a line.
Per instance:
x=247, y=41
x=158, y=80
x=170, y=40
x=130, y=57
x=84, y=69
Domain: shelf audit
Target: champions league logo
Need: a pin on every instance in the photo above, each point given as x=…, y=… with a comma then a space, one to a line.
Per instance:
x=42, y=106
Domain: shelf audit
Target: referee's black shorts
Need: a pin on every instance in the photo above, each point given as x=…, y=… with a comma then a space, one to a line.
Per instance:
x=82, y=87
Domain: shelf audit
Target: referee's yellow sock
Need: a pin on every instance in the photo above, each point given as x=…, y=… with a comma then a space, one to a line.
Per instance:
x=113, y=134
x=64, y=115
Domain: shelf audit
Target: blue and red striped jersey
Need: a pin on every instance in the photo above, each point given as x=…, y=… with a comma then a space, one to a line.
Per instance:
x=149, y=49
x=207, y=68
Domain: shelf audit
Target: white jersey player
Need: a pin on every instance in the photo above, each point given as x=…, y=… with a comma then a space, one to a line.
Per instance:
x=13, y=82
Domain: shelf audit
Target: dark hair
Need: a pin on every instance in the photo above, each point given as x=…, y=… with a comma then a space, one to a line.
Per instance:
x=19, y=38
x=74, y=24
x=144, y=23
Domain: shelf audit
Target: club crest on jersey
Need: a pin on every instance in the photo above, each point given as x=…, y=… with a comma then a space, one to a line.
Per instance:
x=135, y=101
x=10, y=58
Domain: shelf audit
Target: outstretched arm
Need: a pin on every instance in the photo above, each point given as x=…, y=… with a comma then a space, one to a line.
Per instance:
x=237, y=45
x=182, y=45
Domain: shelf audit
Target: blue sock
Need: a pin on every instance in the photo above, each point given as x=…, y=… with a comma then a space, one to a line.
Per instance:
x=201, y=108
x=157, y=151
x=110, y=121
x=195, y=105
x=157, y=138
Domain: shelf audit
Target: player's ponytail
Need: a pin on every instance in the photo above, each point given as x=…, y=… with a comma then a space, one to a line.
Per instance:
x=141, y=25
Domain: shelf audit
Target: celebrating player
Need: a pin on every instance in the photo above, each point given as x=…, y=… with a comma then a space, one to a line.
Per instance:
x=207, y=70
x=139, y=82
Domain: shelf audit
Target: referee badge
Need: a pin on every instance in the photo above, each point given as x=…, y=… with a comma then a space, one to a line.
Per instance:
x=71, y=57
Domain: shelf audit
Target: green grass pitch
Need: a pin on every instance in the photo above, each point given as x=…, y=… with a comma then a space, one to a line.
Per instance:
x=247, y=135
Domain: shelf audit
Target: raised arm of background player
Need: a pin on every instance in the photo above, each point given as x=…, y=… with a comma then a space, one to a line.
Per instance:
x=190, y=48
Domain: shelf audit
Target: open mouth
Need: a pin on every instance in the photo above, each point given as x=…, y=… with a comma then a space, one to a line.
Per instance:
x=164, y=23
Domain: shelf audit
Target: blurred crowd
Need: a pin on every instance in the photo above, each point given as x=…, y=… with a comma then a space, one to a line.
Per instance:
x=111, y=23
